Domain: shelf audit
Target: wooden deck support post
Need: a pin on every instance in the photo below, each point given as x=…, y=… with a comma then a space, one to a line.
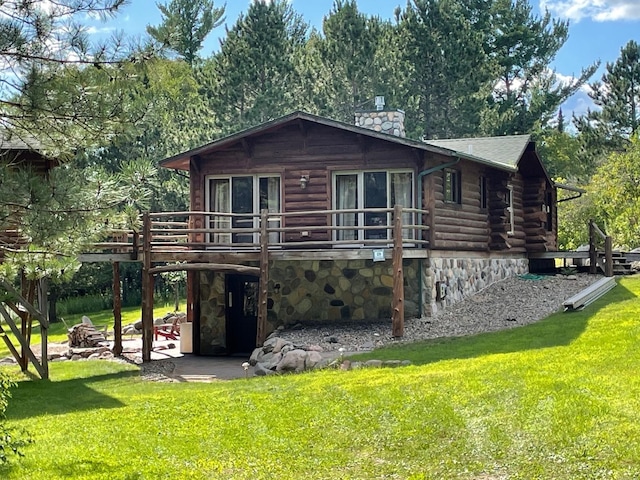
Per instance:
x=261, y=333
x=397, y=318
x=117, y=310
x=147, y=290
x=43, y=306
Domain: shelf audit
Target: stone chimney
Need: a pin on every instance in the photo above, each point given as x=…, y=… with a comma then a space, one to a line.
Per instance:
x=386, y=121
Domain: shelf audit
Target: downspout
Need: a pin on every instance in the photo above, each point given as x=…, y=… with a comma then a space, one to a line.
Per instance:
x=421, y=175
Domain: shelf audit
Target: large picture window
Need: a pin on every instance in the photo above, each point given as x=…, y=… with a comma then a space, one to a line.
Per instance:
x=247, y=194
x=371, y=190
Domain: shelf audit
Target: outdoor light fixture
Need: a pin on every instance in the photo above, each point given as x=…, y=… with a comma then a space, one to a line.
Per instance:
x=304, y=179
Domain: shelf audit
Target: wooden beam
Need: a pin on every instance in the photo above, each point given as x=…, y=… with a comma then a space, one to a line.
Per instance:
x=23, y=342
x=117, y=310
x=27, y=305
x=261, y=332
x=43, y=305
x=220, y=267
x=397, y=309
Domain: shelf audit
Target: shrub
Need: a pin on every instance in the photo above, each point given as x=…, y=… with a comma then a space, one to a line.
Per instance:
x=11, y=441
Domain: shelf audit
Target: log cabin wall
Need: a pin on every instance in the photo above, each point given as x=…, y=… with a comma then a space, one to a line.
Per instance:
x=295, y=150
x=458, y=226
x=540, y=218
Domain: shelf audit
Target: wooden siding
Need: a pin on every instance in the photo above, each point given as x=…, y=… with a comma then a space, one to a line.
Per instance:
x=313, y=151
x=454, y=226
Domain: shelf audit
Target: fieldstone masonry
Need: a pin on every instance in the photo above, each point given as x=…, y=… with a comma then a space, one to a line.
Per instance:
x=384, y=121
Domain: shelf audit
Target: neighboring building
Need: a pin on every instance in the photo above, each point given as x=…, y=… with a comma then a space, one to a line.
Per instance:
x=473, y=209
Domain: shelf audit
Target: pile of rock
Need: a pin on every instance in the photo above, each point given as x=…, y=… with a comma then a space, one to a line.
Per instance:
x=278, y=355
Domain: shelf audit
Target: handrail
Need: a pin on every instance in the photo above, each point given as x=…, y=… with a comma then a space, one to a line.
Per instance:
x=594, y=233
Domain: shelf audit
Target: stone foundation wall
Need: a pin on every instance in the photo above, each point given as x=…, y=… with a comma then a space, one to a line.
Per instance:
x=462, y=277
x=321, y=291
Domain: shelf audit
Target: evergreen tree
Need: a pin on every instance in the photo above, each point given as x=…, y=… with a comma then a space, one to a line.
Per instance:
x=253, y=78
x=527, y=92
x=349, y=67
x=185, y=25
x=618, y=97
x=442, y=66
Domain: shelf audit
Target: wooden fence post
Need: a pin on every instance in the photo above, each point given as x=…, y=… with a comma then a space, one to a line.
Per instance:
x=117, y=310
x=147, y=291
x=608, y=257
x=593, y=259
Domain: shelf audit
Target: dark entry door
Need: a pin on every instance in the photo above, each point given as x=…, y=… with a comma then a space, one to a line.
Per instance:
x=242, y=313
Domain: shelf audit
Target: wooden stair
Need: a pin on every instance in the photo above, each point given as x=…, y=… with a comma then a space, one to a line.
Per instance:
x=621, y=266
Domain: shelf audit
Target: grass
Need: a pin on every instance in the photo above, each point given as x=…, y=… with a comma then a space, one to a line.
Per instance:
x=559, y=399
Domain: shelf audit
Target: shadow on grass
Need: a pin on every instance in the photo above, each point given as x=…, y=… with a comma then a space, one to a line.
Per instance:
x=559, y=329
x=44, y=397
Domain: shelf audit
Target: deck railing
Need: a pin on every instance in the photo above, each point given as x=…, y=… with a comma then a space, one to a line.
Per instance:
x=596, y=238
x=315, y=229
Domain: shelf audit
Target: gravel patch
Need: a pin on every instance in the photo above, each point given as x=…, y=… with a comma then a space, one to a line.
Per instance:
x=510, y=303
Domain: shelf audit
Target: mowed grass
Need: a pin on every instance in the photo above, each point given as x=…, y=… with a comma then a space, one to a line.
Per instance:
x=556, y=400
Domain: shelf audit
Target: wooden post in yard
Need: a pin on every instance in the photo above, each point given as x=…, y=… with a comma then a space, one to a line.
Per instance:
x=261, y=333
x=147, y=291
x=397, y=315
x=608, y=257
x=117, y=310
x=43, y=306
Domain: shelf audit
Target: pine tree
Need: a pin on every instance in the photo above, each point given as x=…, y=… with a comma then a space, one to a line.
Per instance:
x=253, y=78
x=185, y=25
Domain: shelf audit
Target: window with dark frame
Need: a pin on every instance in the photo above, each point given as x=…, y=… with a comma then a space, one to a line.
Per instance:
x=484, y=192
x=452, y=186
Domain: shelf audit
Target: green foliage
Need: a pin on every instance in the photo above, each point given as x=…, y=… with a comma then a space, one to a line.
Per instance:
x=185, y=25
x=618, y=97
x=615, y=188
x=12, y=440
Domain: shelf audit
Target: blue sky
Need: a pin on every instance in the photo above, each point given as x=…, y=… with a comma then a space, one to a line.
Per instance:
x=598, y=28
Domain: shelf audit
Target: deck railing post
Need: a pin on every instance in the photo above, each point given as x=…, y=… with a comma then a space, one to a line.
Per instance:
x=264, y=278
x=397, y=318
x=608, y=257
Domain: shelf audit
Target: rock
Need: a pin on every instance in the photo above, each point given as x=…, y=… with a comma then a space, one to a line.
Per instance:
x=253, y=359
x=293, y=361
x=391, y=363
x=332, y=339
x=346, y=365
x=260, y=370
x=368, y=346
x=94, y=356
x=406, y=363
x=312, y=360
x=314, y=348
x=279, y=344
x=373, y=363
x=271, y=360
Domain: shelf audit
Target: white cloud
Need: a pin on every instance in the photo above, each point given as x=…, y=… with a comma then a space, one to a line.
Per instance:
x=598, y=10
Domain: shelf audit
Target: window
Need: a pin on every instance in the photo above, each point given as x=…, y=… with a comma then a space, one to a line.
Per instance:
x=511, y=229
x=371, y=190
x=452, y=189
x=242, y=194
x=484, y=193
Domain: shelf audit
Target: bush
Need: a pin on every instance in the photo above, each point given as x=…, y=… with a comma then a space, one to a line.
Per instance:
x=11, y=441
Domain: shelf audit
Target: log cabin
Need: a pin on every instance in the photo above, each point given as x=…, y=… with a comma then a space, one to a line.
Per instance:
x=305, y=219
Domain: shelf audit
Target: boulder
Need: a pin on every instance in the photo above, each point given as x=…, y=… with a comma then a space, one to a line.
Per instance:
x=260, y=370
x=293, y=361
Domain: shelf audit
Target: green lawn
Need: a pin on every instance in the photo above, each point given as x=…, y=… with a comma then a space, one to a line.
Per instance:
x=556, y=400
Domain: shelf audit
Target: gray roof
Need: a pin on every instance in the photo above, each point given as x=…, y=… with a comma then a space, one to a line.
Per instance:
x=13, y=141
x=505, y=150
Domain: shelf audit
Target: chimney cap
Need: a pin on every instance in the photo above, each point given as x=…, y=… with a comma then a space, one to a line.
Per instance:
x=379, y=102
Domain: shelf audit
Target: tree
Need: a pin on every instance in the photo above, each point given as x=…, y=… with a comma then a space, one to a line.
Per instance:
x=253, y=78
x=50, y=72
x=349, y=69
x=527, y=93
x=615, y=188
x=617, y=96
x=442, y=66
x=185, y=25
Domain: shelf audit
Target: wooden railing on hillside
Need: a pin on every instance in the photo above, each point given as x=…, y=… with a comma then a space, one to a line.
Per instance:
x=597, y=240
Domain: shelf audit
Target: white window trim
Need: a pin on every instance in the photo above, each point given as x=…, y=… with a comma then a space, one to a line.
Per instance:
x=360, y=199
x=256, y=198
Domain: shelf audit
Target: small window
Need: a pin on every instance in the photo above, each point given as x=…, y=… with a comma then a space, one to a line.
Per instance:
x=452, y=193
x=511, y=230
x=484, y=193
